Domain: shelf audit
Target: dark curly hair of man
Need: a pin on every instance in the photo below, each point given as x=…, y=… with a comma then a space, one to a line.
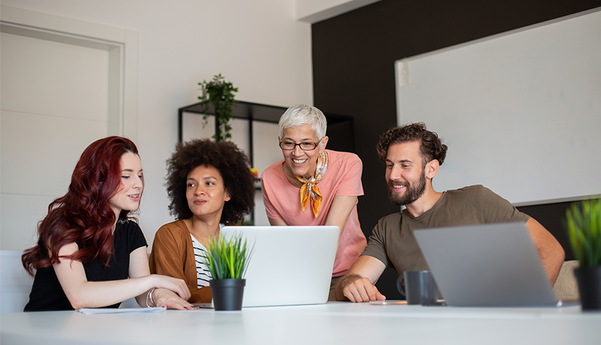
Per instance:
x=231, y=162
x=431, y=147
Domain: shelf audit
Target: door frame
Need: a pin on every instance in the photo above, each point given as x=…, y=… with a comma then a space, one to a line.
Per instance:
x=121, y=44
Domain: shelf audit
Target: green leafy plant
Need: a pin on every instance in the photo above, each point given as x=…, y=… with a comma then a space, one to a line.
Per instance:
x=583, y=223
x=220, y=94
x=227, y=259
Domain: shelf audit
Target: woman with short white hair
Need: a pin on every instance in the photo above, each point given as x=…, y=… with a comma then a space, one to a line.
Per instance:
x=315, y=186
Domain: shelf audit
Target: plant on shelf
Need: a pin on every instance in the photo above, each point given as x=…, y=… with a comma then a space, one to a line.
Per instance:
x=583, y=224
x=220, y=94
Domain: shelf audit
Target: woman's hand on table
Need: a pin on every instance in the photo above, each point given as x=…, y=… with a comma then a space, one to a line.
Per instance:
x=178, y=286
x=170, y=293
x=168, y=299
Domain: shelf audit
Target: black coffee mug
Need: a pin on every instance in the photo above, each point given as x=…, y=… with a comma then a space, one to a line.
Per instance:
x=420, y=287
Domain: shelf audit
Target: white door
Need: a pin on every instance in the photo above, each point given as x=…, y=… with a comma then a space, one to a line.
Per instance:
x=60, y=90
x=54, y=104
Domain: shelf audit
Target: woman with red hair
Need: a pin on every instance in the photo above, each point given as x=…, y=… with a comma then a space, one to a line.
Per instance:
x=90, y=253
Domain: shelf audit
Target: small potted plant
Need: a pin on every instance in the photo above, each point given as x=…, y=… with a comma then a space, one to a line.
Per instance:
x=220, y=94
x=583, y=223
x=227, y=261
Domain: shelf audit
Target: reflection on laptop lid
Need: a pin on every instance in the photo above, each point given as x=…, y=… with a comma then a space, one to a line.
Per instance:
x=290, y=265
x=486, y=265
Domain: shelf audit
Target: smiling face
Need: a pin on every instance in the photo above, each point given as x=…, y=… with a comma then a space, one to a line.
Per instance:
x=130, y=190
x=297, y=161
x=405, y=174
x=206, y=192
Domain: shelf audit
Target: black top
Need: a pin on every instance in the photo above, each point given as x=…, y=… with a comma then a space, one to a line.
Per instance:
x=47, y=293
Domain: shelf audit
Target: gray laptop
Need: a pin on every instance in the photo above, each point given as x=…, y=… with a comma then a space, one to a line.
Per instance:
x=290, y=265
x=494, y=265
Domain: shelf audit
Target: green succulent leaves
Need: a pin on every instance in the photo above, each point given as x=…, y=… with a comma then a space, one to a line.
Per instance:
x=583, y=223
x=227, y=259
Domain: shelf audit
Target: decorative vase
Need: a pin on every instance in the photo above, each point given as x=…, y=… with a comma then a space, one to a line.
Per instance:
x=227, y=293
x=589, y=286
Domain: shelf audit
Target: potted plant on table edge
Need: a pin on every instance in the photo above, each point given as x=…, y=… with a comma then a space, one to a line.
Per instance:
x=583, y=223
x=227, y=261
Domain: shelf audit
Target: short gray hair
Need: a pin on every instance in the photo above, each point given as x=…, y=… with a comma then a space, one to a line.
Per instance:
x=303, y=115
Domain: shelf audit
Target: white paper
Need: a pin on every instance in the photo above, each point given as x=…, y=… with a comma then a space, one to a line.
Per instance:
x=89, y=311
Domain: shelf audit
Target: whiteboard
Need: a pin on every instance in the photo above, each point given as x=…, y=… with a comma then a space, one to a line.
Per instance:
x=520, y=112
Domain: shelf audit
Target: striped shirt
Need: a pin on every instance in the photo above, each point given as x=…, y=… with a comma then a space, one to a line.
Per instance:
x=203, y=276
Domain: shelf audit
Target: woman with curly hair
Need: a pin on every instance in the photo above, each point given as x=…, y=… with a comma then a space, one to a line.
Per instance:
x=209, y=184
x=90, y=253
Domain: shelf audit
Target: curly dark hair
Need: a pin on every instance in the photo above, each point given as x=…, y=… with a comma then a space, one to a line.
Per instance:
x=431, y=147
x=231, y=162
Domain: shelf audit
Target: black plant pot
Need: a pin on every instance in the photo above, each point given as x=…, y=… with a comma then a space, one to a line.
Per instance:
x=589, y=286
x=227, y=293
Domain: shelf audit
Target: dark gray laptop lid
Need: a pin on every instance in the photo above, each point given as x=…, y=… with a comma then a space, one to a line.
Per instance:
x=486, y=265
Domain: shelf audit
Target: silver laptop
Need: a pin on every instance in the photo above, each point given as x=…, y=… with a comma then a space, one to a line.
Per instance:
x=494, y=265
x=290, y=265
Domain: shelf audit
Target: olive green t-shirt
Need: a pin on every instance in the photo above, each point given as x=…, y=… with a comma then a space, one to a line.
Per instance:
x=392, y=240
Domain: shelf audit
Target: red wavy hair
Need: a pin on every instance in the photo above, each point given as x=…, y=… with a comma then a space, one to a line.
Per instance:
x=83, y=215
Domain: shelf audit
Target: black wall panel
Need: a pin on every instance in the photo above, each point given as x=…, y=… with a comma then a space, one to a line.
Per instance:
x=354, y=55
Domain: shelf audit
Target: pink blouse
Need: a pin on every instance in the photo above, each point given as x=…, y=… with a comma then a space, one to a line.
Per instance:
x=343, y=177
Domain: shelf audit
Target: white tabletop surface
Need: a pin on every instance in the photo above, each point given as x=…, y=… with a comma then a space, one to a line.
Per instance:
x=331, y=323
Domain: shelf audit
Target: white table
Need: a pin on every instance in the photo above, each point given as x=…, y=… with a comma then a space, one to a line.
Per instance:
x=331, y=323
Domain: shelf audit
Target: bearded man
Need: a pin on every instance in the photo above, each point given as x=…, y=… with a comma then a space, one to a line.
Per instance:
x=413, y=155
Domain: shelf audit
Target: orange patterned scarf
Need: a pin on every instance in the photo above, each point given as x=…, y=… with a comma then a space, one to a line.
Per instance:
x=309, y=190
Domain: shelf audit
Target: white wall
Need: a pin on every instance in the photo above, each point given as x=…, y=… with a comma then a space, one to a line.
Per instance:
x=257, y=45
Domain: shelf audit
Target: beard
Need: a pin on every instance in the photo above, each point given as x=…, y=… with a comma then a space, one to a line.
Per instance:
x=412, y=193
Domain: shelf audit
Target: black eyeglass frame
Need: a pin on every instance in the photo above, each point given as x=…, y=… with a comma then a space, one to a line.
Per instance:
x=300, y=145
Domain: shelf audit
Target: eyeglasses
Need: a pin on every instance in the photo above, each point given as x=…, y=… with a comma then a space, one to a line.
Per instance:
x=305, y=145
